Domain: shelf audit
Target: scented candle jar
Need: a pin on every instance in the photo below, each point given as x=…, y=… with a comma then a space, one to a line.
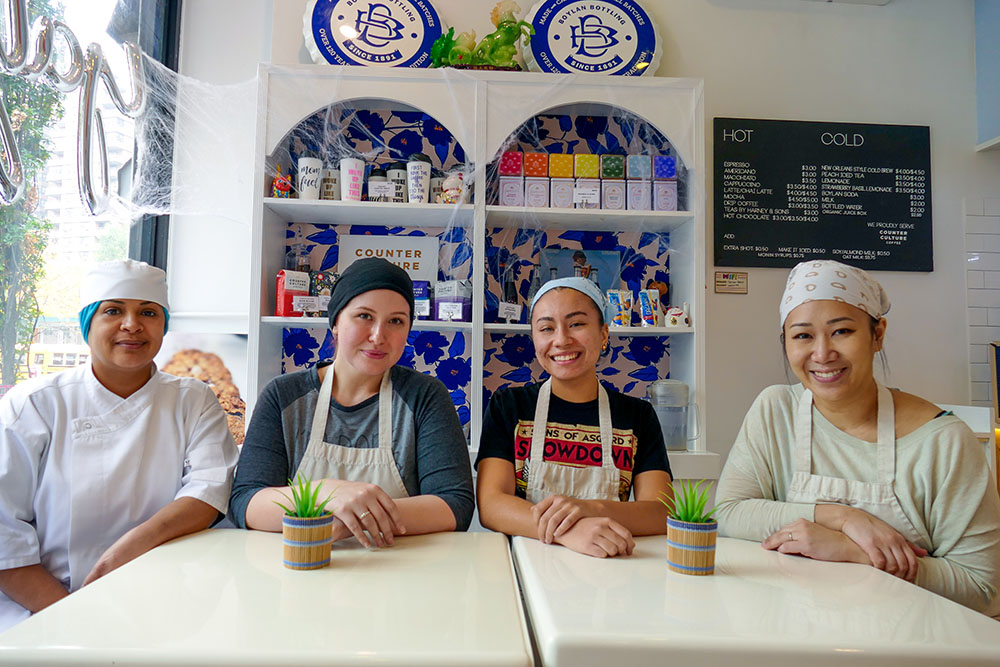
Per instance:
x=536, y=165
x=560, y=165
x=511, y=164
x=586, y=166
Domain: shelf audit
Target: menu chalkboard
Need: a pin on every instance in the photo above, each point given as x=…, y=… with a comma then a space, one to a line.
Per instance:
x=792, y=190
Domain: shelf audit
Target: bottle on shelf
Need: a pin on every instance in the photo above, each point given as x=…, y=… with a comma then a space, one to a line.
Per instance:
x=578, y=272
x=536, y=282
x=593, y=277
x=553, y=273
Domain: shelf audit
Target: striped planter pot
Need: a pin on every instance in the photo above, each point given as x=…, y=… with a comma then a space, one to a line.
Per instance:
x=307, y=541
x=691, y=546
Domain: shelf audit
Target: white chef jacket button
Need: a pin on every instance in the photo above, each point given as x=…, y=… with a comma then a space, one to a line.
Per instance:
x=87, y=425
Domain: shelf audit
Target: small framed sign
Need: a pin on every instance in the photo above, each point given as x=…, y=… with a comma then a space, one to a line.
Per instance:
x=731, y=282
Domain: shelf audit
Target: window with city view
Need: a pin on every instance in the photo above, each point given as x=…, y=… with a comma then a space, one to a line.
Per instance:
x=50, y=238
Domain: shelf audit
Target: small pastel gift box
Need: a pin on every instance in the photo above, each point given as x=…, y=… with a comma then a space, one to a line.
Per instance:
x=511, y=164
x=639, y=167
x=613, y=195
x=536, y=192
x=664, y=167
x=536, y=165
x=639, y=195
x=613, y=166
x=560, y=165
x=561, y=191
x=511, y=191
x=586, y=166
x=664, y=195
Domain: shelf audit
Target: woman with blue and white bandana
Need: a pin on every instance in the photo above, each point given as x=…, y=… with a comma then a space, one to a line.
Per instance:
x=569, y=481
x=841, y=468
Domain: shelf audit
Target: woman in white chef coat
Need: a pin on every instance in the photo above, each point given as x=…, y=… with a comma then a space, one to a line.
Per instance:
x=103, y=462
x=568, y=483
x=842, y=468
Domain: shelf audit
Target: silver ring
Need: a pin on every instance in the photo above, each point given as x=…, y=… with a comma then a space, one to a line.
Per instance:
x=361, y=517
x=790, y=538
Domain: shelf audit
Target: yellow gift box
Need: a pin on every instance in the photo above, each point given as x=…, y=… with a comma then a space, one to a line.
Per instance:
x=587, y=166
x=560, y=165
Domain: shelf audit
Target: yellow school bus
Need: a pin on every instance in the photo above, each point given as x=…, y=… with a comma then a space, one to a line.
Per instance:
x=45, y=358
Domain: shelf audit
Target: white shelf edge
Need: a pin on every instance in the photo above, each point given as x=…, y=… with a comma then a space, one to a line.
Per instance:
x=615, y=331
x=324, y=211
x=581, y=218
x=989, y=145
x=321, y=323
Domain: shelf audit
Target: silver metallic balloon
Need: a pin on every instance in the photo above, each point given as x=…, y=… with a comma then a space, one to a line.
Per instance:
x=11, y=173
x=13, y=58
x=90, y=123
x=71, y=78
x=43, y=49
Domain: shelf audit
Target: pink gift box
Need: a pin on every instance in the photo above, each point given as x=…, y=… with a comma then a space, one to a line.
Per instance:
x=512, y=164
x=536, y=164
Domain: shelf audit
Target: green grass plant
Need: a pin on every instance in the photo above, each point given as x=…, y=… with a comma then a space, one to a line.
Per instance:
x=688, y=503
x=305, y=499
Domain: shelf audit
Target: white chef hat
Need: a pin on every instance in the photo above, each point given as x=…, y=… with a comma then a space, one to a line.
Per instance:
x=124, y=279
x=827, y=280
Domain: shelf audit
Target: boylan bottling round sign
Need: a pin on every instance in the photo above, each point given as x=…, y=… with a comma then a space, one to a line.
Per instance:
x=395, y=33
x=593, y=36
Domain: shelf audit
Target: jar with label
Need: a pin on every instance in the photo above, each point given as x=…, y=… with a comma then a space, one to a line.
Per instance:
x=380, y=189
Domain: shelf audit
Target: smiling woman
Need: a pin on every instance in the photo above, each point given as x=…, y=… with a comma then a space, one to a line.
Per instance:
x=569, y=482
x=385, y=438
x=105, y=461
x=841, y=468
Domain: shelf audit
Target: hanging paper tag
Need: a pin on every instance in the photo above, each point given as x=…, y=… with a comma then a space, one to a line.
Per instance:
x=509, y=311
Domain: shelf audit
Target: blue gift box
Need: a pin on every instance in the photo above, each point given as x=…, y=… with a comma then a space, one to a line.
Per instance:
x=664, y=166
x=638, y=167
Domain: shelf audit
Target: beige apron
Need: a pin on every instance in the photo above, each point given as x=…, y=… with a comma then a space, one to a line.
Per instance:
x=584, y=483
x=374, y=465
x=877, y=498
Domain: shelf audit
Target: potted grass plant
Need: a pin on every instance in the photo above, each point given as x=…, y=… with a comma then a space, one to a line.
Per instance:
x=691, y=530
x=306, y=527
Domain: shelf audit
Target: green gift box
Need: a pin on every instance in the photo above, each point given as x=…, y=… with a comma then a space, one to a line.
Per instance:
x=612, y=166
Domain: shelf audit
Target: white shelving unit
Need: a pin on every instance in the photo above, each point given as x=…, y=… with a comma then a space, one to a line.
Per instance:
x=482, y=109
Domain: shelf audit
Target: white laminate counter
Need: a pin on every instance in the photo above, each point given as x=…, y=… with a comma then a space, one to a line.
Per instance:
x=760, y=609
x=223, y=597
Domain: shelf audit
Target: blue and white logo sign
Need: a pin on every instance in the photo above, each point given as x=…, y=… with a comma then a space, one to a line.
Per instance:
x=397, y=33
x=594, y=36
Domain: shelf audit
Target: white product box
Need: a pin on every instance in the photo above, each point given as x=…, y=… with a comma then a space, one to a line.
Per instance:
x=587, y=193
x=639, y=195
x=664, y=195
x=512, y=191
x=613, y=195
x=561, y=190
x=536, y=192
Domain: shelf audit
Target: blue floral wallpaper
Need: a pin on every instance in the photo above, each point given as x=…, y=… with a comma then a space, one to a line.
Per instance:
x=632, y=361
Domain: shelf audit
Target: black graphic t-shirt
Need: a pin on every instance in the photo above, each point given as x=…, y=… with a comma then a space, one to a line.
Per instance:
x=573, y=436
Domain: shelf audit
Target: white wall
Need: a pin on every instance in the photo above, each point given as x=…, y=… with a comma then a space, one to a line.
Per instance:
x=908, y=62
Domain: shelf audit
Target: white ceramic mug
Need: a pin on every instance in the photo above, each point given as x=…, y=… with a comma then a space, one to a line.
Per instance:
x=307, y=180
x=352, y=178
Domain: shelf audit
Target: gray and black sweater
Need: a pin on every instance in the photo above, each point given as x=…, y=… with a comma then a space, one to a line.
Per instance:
x=428, y=444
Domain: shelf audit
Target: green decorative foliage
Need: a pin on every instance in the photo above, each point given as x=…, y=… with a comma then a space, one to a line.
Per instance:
x=305, y=499
x=688, y=503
